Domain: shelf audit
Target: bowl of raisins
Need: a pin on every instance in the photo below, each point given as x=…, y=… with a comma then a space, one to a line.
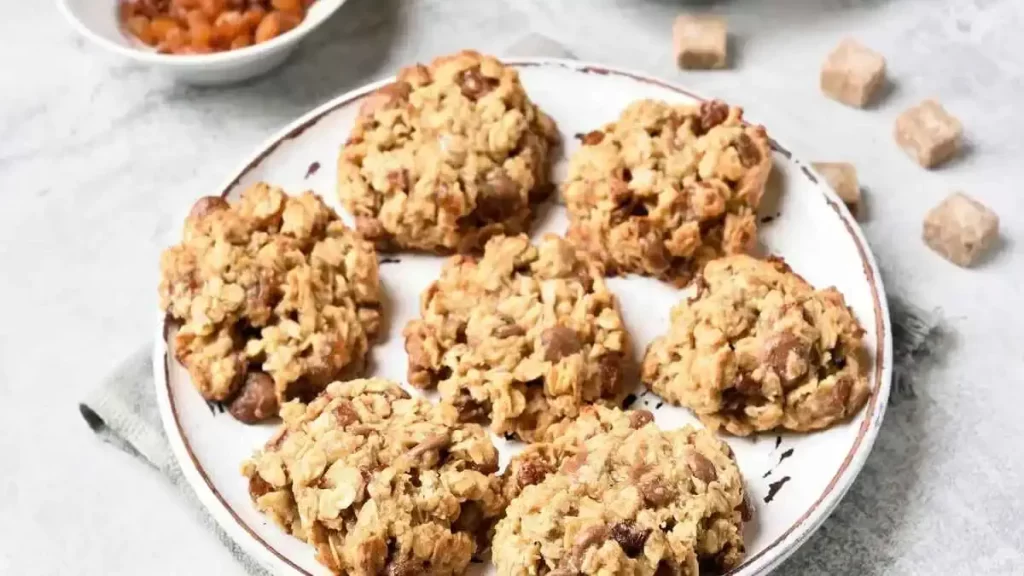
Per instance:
x=203, y=42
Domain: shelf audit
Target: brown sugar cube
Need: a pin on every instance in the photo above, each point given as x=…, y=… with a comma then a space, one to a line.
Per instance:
x=842, y=177
x=699, y=42
x=852, y=73
x=961, y=229
x=928, y=134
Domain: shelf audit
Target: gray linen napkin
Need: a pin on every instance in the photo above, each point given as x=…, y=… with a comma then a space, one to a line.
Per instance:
x=122, y=410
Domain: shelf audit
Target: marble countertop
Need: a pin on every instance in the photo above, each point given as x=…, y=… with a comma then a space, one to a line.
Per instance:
x=97, y=156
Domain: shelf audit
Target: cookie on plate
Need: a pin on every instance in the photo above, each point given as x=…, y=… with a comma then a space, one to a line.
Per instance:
x=758, y=348
x=524, y=335
x=378, y=482
x=447, y=156
x=275, y=297
x=666, y=188
x=631, y=500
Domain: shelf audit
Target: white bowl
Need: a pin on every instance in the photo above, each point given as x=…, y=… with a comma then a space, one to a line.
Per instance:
x=97, y=20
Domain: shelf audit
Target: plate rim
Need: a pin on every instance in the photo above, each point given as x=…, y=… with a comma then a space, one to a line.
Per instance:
x=761, y=563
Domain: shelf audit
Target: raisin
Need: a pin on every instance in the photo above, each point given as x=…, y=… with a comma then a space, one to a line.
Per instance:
x=629, y=537
x=256, y=401
x=778, y=349
x=748, y=152
x=345, y=414
x=712, y=113
x=208, y=205
x=838, y=358
x=532, y=472
x=701, y=467
x=655, y=491
x=639, y=209
x=499, y=197
x=640, y=418
x=559, y=342
x=258, y=486
x=746, y=385
x=473, y=84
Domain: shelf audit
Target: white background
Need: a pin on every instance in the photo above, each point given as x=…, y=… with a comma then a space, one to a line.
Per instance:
x=97, y=157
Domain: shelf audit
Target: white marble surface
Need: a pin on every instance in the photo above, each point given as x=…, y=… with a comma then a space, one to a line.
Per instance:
x=96, y=156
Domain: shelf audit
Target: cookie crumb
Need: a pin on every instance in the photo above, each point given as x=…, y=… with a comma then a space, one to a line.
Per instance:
x=774, y=487
x=700, y=42
x=961, y=229
x=313, y=169
x=852, y=73
x=928, y=133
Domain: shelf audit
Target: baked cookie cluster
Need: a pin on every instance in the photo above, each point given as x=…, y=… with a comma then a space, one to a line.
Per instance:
x=277, y=302
x=524, y=336
x=612, y=494
x=446, y=157
x=275, y=298
x=666, y=188
x=758, y=348
x=378, y=482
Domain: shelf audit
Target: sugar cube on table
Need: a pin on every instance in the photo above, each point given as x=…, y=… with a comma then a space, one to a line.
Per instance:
x=852, y=73
x=960, y=229
x=928, y=134
x=842, y=177
x=699, y=42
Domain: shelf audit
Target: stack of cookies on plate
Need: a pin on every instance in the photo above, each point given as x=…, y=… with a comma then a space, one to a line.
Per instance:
x=277, y=303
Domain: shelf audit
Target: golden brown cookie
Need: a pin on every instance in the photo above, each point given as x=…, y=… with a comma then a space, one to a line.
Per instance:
x=622, y=497
x=378, y=482
x=447, y=156
x=665, y=188
x=275, y=296
x=758, y=348
x=525, y=335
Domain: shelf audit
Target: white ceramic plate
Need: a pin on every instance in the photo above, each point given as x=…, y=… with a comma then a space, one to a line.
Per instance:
x=794, y=481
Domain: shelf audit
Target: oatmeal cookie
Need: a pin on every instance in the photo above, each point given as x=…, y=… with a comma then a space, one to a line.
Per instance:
x=378, y=482
x=525, y=335
x=759, y=348
x=630, y=500
x=666, y=188
x=275, y=296
x=446, y=157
